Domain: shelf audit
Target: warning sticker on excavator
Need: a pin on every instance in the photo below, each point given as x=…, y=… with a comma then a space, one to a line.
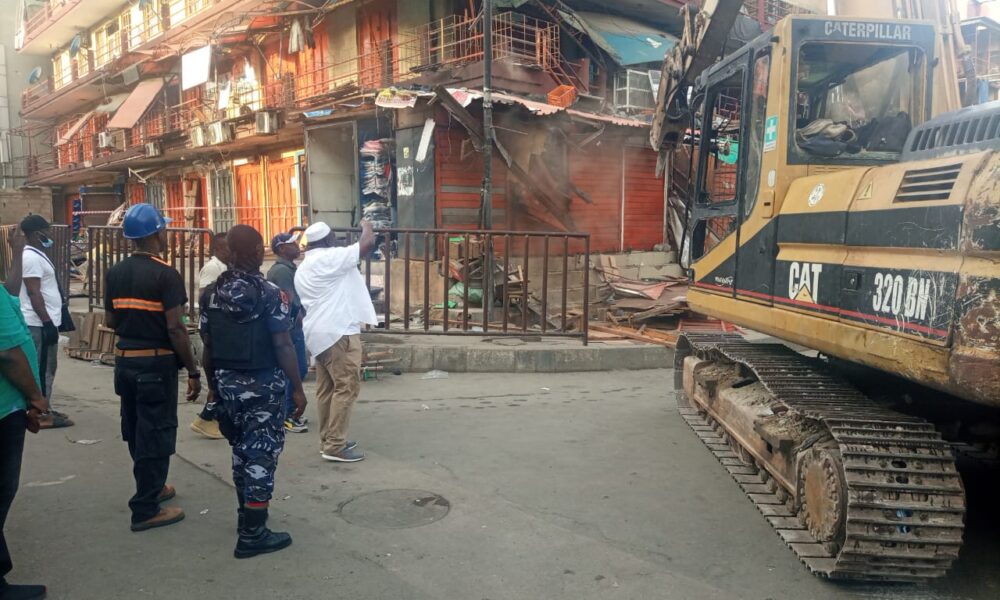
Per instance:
x=771, y=133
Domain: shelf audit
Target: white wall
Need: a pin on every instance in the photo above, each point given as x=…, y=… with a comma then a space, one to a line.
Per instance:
x=14, y=70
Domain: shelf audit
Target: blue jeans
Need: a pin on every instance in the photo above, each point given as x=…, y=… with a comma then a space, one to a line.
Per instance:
x=299, y=341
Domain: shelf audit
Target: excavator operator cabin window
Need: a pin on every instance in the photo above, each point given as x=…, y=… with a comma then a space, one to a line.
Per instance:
x=757, y=117
x=719, y=165
x=856, y=102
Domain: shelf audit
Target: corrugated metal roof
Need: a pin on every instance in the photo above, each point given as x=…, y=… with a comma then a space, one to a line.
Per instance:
x=628, y=42
x=614, y=120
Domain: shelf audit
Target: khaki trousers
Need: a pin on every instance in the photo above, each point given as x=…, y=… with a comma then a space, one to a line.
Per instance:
x=338, y=378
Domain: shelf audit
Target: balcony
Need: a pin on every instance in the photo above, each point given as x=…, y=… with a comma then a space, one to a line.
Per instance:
x=430, y=52
x=53, y=24
x=122, y=39
x=527, y=47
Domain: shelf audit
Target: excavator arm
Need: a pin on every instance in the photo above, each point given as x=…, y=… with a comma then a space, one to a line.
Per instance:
x=705, y=35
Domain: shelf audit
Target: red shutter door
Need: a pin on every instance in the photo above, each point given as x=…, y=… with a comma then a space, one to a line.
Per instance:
x=643, y=200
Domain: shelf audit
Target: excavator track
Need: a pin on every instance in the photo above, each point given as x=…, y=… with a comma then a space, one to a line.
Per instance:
x=904, y=504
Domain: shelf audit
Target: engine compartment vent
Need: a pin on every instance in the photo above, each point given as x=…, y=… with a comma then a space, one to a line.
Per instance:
x=928, y=184
x=971, y=129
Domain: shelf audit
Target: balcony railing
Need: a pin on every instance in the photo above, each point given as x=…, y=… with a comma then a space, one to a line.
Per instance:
x=449, y=43
x=50, y=12
x=131, y=35
x=446, y=44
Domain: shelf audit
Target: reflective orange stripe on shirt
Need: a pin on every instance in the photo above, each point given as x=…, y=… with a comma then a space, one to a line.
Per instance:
x=136, y=304
x=161, y=261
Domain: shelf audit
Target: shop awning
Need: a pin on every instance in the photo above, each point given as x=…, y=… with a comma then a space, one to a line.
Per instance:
x=136, y=105
x=628, y=42
x=66, y=137
x=111, y=104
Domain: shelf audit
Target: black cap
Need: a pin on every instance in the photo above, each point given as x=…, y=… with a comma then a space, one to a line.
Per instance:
x=33, y=223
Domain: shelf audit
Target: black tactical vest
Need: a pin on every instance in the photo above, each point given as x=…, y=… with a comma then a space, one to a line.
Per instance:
x=239, y=346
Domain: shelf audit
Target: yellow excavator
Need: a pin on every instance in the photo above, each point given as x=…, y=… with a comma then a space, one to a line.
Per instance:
x=841, y=201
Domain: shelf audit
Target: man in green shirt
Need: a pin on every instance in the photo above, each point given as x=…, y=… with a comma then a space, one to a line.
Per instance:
x=21, y=405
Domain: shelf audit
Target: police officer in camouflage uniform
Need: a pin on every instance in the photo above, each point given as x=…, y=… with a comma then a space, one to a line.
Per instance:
x=245, y=325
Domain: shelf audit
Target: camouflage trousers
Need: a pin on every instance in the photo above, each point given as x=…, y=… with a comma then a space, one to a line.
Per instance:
x=251, y=415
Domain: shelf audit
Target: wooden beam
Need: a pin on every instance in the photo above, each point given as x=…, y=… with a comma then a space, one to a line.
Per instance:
x=627, y=332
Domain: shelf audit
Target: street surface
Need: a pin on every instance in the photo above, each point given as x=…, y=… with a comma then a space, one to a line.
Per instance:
x=499, y=487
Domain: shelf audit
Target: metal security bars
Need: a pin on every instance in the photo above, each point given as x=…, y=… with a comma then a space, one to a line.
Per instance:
x=187, y=251
x=59, y=253
x=431, y=281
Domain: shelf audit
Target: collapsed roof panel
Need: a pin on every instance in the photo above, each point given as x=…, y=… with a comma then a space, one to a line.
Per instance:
x=628, y=42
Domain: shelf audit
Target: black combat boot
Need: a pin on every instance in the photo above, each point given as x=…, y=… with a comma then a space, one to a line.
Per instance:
x=240, y=511
x=255, y=538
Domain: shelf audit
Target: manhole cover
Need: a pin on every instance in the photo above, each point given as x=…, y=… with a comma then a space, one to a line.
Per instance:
x=395, y=509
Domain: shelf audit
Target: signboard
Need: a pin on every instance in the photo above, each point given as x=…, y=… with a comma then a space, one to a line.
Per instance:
x=771, y=134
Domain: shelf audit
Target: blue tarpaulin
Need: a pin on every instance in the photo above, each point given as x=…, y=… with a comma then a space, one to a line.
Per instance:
x=628, y=42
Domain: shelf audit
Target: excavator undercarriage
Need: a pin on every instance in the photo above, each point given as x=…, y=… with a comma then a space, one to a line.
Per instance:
x=857, y=491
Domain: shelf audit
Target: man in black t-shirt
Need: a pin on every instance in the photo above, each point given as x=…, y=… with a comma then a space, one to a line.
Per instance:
x=144, y=304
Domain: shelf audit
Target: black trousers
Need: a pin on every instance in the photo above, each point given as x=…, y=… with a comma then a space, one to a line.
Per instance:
x=12, y=428
x=148, y=391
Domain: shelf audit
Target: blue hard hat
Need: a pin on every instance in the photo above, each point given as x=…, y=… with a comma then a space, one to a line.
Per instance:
x=143, y=220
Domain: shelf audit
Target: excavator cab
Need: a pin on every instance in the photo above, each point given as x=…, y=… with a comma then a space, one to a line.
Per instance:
x=816, y=93
x=811, y=220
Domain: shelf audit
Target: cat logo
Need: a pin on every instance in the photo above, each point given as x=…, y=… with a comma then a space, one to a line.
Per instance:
x=803, y=281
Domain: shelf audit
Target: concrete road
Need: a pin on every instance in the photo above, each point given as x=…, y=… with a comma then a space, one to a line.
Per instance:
x=535, y=487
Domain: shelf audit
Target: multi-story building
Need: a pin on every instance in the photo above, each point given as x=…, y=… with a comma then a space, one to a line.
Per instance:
x=16, y=200
x=277, y=113
x=982, y=34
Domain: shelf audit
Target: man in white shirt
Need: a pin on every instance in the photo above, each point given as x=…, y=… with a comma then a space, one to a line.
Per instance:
x=219, y=249
x=337, y=305
x=41, y=306
x=205, y=424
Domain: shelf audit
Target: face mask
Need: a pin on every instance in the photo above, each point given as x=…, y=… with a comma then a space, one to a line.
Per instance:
x=45, y=241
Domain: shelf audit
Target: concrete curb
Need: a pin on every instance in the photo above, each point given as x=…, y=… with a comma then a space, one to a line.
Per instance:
x=481, y=356
x=531, y=354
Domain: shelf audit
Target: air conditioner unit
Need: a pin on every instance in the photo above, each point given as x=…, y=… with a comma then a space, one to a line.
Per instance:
x=130, y=75
x=154, y=149
x=219, y=133
x=114, y=140
x=197, y=137
x=266, y=122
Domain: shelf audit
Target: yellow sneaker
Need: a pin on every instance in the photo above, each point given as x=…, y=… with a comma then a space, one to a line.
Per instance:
x=209, y=429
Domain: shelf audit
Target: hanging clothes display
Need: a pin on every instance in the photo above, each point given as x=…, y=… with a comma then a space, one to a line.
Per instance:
x=377, y=182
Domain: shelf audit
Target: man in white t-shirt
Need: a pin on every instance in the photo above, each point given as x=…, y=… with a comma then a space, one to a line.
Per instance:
x=217, y=265
x=205, y=424
x=337, y=305
x=41, y=305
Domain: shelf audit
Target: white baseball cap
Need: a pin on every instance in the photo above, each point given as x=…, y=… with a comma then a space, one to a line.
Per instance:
x=317, y=231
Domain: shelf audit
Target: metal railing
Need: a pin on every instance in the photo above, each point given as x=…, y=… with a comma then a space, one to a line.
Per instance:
x=532, y=291
x=47, y=14
x=126, y=38
x=446, y=43
x=59, y=253
x=187, y=251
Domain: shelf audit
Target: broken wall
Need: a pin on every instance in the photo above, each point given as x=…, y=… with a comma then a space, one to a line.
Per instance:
x=626, y=208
